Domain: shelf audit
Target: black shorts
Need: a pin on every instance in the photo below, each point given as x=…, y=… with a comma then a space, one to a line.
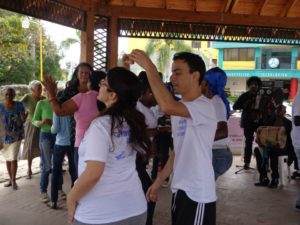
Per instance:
x=185, y=211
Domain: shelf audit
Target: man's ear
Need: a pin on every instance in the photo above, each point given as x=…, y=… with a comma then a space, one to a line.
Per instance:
x=196, y=76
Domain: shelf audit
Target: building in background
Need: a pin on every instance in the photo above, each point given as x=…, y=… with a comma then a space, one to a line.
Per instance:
x=276, y=65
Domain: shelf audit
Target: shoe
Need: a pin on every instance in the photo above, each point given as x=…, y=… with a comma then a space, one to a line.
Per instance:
x=246, y=166
x=44, y=197
x=262, y=183
x=53, y=205
x=8, y=184
x=274, y=183
x=297, y=208
x=295, y=175
x=29, y=175
x=62, y=195
x=15, y=186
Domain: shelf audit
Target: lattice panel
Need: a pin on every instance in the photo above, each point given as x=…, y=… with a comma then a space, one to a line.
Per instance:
x=50, y=10
x=209, y=32
x=101, y=43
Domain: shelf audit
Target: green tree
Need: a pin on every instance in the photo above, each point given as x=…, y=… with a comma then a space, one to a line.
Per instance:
x=163, y=50
x=67, y=43
x=19, y=51
x=13, y=48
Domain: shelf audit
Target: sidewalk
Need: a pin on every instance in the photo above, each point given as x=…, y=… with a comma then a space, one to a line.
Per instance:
x=239, y=202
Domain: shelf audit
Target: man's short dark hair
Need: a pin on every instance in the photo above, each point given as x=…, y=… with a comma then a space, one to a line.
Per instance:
x=144, y=82
x=194, y=61
x=254, y=79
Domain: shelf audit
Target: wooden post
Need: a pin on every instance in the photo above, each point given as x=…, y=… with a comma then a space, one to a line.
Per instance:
x=87, y=38
x=112, y=43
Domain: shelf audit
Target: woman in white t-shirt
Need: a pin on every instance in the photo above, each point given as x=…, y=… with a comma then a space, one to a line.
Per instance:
x=108, y=190
x=213, y=84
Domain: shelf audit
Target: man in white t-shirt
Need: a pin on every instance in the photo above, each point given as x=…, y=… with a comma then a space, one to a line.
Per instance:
x=194, y=125
x=296, y=133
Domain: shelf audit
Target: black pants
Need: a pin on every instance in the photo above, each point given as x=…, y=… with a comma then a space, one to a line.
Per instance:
x=262, y=160
x=249, y=131
x=146, y=183
x=163, y=142
x=188, y=212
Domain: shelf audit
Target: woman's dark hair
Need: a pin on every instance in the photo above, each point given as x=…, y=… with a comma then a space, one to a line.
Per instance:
x=95, y=79
x=74, y=82
x=254, y=79
x=128, y=89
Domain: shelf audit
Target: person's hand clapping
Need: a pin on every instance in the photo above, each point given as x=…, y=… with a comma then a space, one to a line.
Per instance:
x=50, y=85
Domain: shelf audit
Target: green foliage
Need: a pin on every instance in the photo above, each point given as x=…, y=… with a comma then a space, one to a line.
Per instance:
x=67, y=43
x=232, y=98
x=20, y=51
x=164, y=49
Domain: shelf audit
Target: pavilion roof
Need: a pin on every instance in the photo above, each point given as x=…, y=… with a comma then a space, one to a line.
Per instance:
x=272, y=18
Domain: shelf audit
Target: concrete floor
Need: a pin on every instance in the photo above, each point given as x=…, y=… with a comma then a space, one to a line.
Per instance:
x=239, y=203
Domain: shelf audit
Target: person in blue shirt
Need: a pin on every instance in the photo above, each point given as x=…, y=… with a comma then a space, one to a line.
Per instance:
x=61, y=126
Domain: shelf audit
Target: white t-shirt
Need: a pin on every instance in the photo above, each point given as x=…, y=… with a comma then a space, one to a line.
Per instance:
x=221, y=114
x=295, y=134
x=150, y=118
x=157, y=111
x=193, y=140
x=118, y=194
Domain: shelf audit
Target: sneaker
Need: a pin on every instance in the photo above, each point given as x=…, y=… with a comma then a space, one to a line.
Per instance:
x=262, y=183
x=295, y=175
x=44, y=197
x=274, y=183
x=62, y=195
x=246, y=166
x=53, y=205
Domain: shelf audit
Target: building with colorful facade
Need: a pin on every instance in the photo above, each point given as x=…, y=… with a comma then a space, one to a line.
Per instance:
x=276, y=65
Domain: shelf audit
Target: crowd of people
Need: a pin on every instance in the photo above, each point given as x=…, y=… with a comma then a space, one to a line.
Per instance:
x=110, y=125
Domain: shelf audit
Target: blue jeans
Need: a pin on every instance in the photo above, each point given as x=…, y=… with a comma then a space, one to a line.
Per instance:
x=222, y=160
x=76, y=158
x=58, y=158
x=46, y=146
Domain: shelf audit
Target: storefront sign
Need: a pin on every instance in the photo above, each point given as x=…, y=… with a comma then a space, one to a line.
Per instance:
x=264, y=73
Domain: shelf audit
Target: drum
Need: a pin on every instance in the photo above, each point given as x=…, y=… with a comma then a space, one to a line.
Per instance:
x=275, y=136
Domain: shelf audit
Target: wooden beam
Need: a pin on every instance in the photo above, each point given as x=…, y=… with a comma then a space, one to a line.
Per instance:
x=87, y=38
x=233, y=5
x=164, y=4
x=195, y=5
x=226, y=6
x=290, y=4
x=79, y=4
x=112, y=47
x=260, y=8
x=198, y=17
